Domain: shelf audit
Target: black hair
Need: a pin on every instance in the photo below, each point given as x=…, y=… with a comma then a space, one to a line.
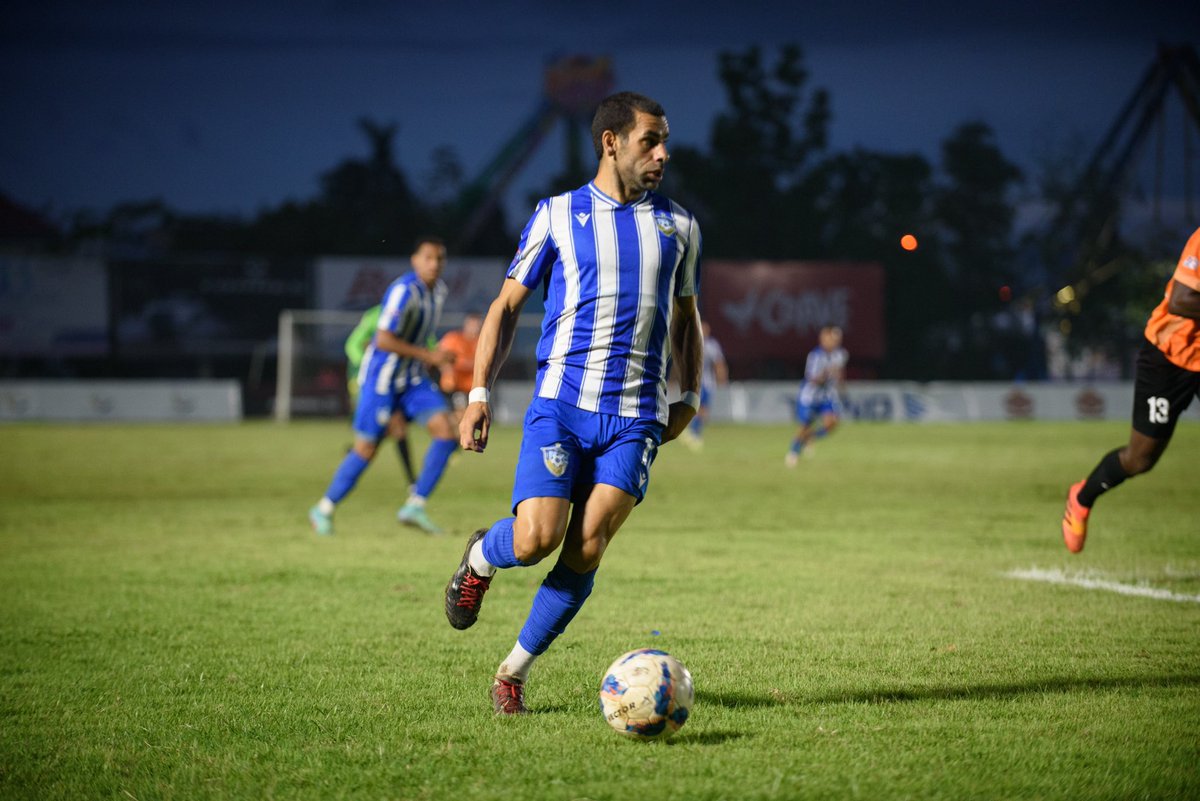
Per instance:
x=618, y=112
x=428, y=239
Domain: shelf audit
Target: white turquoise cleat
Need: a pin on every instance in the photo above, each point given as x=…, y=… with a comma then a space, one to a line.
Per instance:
x=411, y=515
x=321, y=522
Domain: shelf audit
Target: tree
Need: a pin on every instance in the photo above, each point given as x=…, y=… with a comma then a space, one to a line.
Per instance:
x=747, y=188
x=864, y=201
x=975, y=215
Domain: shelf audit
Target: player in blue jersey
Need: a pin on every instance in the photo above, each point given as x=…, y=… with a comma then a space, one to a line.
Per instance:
x=393, y=380
x=356, y=348
x=713, y=373
x=619, y=265
x=819, y=405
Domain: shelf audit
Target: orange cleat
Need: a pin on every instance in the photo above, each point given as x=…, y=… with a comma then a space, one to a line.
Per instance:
x=1074, y=522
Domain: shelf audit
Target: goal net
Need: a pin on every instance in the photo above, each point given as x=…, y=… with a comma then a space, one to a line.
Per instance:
x=311, y=372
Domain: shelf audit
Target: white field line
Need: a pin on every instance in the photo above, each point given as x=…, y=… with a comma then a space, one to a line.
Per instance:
x=1057, y=576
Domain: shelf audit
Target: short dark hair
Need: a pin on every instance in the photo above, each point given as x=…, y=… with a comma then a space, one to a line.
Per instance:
x=428, y=239
x=618, y=112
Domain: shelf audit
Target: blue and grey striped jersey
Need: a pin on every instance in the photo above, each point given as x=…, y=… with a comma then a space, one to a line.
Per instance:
x=821, y=372
x=410, y=310
x=611, y=273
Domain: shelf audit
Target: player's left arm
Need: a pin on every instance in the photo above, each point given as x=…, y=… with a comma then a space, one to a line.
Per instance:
x=1184, y=301
x=687, y=347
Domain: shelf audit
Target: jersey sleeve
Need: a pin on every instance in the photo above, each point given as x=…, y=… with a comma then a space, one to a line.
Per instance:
x=714, y=347
x=536, y=253
x=812, y=366
x=1187, y=272
x=395, y=307
x=688, y=281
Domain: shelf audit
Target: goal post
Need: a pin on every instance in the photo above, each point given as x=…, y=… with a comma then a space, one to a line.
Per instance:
x=310, y=373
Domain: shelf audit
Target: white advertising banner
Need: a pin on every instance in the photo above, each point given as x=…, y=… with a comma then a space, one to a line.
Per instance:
x=903, y=401
x=910, y=401
x=121, y=401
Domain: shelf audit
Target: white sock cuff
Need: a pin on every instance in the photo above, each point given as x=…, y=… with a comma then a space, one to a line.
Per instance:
x=517, y=663
x=477, y=561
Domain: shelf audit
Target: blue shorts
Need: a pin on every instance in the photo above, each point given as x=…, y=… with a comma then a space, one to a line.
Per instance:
x=565, y=451
x=807, y=412
x=417, y=402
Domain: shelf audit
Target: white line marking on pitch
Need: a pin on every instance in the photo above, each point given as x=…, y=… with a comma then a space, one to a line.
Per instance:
x=1090, y=583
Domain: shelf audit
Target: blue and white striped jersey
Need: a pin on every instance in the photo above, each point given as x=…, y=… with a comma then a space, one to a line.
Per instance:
x=821, y=372
x=708, y=368
x=611, y=273
x=411, y=311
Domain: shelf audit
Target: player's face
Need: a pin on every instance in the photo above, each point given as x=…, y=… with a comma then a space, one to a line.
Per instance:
x=831, y=338
x=642, y=152
x=428, y=262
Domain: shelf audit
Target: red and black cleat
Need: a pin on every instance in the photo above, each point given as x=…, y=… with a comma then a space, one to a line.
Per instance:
x=508, y=696
x=464, y=593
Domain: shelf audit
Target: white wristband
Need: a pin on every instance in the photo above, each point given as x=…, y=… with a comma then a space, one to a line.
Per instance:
x=691, y=399
x=479, y=395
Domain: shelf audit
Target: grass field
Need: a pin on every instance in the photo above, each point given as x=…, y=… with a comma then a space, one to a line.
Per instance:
x=171, y=628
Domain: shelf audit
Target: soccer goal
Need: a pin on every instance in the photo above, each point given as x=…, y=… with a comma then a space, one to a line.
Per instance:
x=310, y=374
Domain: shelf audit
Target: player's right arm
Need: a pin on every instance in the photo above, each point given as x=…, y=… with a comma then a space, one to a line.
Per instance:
x=495, y=341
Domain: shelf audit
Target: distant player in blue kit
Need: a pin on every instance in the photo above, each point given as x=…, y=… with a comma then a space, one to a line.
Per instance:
x=393, y=381
x=619, y=265
x=819, y=405
x=713, y=373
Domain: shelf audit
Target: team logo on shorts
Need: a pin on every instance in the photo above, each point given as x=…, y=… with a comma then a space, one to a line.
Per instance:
x=665, y=222
x=382, y=416
x=555, y=459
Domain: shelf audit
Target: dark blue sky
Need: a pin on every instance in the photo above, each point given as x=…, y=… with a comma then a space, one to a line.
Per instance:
x=224, y=106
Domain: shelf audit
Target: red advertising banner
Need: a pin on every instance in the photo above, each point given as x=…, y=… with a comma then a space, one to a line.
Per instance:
x=766, y=314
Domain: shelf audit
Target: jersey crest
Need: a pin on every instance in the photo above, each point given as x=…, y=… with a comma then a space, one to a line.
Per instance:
x=665, y=222
x=555, y=458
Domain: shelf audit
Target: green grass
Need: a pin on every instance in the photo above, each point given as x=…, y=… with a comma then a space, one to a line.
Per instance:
x=171, y=629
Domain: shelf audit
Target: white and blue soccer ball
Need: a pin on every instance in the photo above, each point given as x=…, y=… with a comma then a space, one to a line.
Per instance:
x=646, y=694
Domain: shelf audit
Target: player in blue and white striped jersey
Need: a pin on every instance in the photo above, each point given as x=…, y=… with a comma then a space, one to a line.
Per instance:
x=819, y=405
x=393, y=382
x=619, y=265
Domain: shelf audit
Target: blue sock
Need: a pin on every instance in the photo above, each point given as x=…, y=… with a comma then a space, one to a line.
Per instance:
x=436, y=458
x=557, y=601
x=797, y=444
x=697, y=425
x=498, y=545
x=346, y=476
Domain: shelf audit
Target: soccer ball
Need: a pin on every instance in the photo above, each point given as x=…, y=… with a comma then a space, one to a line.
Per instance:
x=646, y=694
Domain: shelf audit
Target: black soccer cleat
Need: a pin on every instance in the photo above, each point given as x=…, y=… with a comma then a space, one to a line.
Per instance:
x=464, y=593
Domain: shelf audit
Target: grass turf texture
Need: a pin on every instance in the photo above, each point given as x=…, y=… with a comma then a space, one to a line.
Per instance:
x=171, y=627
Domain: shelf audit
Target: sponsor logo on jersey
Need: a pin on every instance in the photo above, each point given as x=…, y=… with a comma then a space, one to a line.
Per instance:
x=583, y=217
x=555, y=459
x=1191, y=263
x=665, y=222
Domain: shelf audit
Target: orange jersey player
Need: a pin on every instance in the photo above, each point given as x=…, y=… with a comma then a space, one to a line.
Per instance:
x=457, y=378
x=1166, y=380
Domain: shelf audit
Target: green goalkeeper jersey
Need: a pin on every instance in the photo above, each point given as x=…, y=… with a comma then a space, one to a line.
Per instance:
x=360, y=337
